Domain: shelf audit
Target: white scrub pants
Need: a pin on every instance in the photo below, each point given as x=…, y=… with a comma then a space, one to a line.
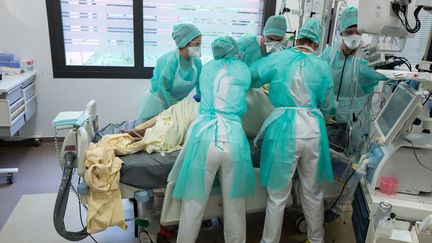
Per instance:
x=311, y=195
x=234, y=216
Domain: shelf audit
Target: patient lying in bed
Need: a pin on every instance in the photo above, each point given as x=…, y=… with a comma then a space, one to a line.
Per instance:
x=166, y=132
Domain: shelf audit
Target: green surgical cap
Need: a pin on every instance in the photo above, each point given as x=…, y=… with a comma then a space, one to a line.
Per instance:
x=311, y=30
x=348, y=18
x=224, y=47
x=184, y=33
x=275, y=25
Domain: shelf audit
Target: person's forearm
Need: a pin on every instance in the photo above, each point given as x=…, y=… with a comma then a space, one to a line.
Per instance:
x=143, y=127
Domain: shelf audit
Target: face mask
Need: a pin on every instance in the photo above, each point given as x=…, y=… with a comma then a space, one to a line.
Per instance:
x=352, y=41
x=273, y=46
x=194, y=51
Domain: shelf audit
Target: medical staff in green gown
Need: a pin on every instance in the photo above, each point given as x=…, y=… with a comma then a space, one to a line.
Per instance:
x=301, y=90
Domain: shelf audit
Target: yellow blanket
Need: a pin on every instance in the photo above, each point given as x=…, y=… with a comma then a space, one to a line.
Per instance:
x=104, y=198
x=166, y=135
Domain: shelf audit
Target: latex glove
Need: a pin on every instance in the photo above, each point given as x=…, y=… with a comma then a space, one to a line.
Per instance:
x=197, y=98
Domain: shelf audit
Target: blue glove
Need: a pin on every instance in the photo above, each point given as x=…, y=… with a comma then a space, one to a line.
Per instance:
x=197, y=98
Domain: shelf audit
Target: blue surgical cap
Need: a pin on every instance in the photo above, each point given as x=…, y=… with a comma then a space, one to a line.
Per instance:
x=275, y=25
x=348, y=17
x=311, y=30
x=224, y=47
x=184, y=33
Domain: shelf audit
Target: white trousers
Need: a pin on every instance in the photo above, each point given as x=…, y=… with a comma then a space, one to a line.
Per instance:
x=234, y=216
x=311, y=195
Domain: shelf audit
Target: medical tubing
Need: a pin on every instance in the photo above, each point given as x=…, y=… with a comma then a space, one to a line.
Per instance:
x=355, y=73
x=62, y=200
x=357, y=58
x=341, y=78
x=354, y=93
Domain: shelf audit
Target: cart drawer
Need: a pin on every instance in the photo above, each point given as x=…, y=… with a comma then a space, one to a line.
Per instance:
x=30, y=107
x=17, y=124
x=29, y=91
x=16, y=105
x=14, y=95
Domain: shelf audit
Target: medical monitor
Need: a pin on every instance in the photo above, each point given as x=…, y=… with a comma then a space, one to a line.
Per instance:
x=377, y=17
x=400, y=110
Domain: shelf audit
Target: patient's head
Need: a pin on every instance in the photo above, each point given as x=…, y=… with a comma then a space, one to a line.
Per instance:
x=224, y=47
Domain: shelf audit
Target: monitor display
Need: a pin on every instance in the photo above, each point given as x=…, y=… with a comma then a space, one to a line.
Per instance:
x=394, y=110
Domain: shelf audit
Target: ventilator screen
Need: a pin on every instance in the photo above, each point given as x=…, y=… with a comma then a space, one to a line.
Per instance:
x=393, y=110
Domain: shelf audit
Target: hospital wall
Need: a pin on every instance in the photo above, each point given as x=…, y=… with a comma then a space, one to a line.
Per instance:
x=24, y=31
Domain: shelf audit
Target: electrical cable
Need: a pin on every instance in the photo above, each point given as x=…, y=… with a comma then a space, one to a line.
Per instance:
x=398, y=10
x=404, y=60
x=427, y=99
x=343, y=188
x=148, y=235
x=61, y=202
x=80, y=213
x=416, y=156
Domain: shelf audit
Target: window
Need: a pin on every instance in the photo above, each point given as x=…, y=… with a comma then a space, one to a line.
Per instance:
x=99, y=38
x=98, y=33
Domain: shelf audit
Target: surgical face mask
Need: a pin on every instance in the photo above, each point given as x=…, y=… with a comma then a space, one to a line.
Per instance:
x=352, y=41
x=194, y=51
x=273, y=46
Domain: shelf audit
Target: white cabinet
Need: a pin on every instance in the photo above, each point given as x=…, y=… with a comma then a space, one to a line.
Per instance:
x=18, y=102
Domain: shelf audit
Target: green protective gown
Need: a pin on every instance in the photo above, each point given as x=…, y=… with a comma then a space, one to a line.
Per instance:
x=353, y=80
x=173, y=79
x=165, y=72
x=298, y=82
x=224, y=84
x=250, y=49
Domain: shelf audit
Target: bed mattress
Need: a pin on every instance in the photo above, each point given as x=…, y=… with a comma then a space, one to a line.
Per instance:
x=150, y=171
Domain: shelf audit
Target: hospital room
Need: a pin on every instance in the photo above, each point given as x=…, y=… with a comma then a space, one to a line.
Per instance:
x=258, y=121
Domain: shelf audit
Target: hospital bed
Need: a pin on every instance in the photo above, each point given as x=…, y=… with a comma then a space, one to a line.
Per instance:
x=148, y=172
